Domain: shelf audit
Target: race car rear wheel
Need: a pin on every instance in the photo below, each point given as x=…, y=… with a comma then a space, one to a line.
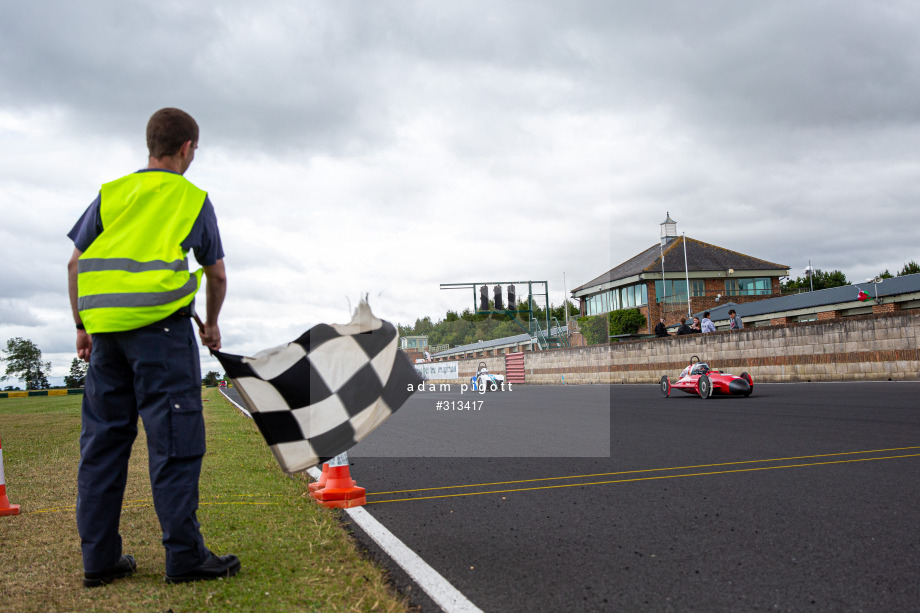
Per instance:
x=750, y=382
x=665, y=386
x=705, y=387
x=482, y=384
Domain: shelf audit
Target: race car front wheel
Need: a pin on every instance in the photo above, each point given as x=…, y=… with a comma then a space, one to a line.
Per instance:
x=482, y=384
x=705, y=387
x=750, y=382
x=665, y=386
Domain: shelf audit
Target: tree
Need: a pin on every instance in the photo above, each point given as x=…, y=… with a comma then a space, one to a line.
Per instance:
x=559, y=312
x=595, y=329
x=404, y=331
x=626, y=321
x=820, y=280
x=24, y=361
x=423, y=326
x=77, y=377
x=211, y=378
x=910, y=268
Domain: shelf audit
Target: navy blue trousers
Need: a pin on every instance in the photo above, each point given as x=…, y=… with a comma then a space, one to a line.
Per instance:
x=152, y=372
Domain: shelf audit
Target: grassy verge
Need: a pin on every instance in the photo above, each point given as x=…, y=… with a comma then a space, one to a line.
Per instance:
x=295, y=555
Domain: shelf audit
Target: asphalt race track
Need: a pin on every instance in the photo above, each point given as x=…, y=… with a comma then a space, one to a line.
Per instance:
x=802, y=497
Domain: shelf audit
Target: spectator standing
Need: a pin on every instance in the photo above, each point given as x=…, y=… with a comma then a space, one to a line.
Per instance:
x=734, y=320
x=684, y=329
x=661, y=329
x=706, y=325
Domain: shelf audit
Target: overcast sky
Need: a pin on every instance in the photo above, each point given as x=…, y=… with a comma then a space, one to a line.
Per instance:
x=387, y=147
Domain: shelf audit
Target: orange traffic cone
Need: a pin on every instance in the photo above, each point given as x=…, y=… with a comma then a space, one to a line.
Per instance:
x=339, y=490
x=5, y=508
x=321, y=482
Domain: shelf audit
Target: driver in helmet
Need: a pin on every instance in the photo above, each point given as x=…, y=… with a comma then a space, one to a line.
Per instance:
x=700, y=368
x=696, y=368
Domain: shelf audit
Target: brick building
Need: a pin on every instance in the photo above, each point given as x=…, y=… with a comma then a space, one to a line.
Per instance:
x=656, y=280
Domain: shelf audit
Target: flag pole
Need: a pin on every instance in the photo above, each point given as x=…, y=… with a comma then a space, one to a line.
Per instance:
x=687, y=273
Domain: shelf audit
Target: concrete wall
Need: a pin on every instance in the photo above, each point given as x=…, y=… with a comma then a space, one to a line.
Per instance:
x=870, y=347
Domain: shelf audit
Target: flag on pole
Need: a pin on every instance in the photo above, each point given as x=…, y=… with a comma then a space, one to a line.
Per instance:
x=319, y=395
x=862, y=296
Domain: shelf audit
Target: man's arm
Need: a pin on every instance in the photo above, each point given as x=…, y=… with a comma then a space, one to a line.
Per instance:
x=84, y=341
x=215, y=290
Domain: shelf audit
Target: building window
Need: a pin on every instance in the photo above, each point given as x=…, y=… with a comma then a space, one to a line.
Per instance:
x=697, y=287
x=620, y=298
x=748, y=287
x=671, y=290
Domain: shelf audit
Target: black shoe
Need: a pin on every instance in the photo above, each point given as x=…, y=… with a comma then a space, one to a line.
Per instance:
x=213, y=568
x=122, y=569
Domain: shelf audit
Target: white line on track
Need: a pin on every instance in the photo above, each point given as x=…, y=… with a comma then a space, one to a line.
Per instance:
x=238, y=406
x=436, y=586
x=442, y=592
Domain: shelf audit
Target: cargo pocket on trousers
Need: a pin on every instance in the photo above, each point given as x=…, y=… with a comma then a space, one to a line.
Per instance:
x=187, y=427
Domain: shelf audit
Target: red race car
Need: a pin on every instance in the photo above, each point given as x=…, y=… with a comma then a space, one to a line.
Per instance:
x=699, y=379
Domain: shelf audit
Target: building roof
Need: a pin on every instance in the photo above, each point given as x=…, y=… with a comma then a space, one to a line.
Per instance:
x=484, y=345
x=905, y=284
x=701, y=256
x=501, y=342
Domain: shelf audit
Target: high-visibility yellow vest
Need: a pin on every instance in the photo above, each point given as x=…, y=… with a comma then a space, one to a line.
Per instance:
x=136, y=272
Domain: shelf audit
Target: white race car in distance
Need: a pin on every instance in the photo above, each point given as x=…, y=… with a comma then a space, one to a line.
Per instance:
x=483, y=380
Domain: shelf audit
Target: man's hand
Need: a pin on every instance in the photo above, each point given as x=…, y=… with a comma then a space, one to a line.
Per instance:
x=215, y=290
x=210, y=336
x=84, y=345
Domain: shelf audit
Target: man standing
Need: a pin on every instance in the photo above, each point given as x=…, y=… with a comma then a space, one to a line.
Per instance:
x=132, y=298
x=706, y=324
x=734, y=320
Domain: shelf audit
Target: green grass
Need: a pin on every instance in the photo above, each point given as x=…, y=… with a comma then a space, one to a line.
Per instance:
x=295, y=554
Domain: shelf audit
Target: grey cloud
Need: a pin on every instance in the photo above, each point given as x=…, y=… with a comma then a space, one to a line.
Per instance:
x=327, y=77
x=112, y=64
x=14, y=313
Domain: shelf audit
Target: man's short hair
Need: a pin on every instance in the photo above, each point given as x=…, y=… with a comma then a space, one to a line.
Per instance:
x=731, y=311
x=706, y=315
x=168, y=129
x=683, y=320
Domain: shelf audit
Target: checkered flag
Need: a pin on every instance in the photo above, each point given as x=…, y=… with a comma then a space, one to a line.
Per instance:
x=319, y=395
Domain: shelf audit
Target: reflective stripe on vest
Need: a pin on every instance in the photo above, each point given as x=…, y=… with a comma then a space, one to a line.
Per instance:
x=136, y=273
x=132, y=266
x=138, y=299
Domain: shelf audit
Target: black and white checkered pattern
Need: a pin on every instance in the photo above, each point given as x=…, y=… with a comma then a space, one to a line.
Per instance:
x=314, y=398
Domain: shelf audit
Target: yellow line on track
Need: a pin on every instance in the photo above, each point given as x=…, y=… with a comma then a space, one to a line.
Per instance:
x=657, y=477
x=141, y=503
x=597, y=475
